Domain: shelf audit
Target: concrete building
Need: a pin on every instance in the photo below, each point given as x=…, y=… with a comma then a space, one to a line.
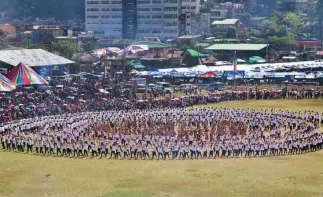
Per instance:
x=227, y=10
x=293, y=5
x=220, y=28
x=133, y=19
x=190, y=6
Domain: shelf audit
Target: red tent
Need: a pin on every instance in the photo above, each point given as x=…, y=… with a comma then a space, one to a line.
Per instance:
x=209, y=75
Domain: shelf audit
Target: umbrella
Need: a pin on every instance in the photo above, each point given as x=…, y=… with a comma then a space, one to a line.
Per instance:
x=5, y=84
x=71, y=97
x=133, y=71
x=209, y=75
x=82, y=101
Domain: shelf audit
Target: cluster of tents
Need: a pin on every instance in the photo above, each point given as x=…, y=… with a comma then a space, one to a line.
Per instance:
x=265, y=69
x=20, y=75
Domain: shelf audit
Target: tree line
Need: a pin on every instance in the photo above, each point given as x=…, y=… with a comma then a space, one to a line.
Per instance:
x=60, y=9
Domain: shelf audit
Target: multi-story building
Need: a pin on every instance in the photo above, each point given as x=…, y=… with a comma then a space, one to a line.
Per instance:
x=133, y=19
x=190, y=6
x=227, y=10
x=220, y=28
x=293, y=5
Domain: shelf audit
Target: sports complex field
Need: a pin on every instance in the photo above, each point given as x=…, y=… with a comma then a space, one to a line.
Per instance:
x=299, y=175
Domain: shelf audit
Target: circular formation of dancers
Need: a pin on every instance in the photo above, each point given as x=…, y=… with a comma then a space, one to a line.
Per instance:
x=170, y=133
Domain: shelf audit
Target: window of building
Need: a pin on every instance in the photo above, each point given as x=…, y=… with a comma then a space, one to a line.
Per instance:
x=105, y=9
x=143, y=31
x=105, y=16
x=92, y=16
x=156, y=16
x=170, y=24
x=144, y=2
x=116, y=2
x=156, y=9
x=116, y=16
x=144, y=9
x=116, y=9
x=105, y=2
x=92, y=2
x=92, y=9
x=156, y=2
x=170, y=1
x=170, y=15
x=143, y=16
x=170, y=9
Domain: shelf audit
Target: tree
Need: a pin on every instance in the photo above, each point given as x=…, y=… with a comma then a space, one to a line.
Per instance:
x=319, y=12
x=282, y=43
x=294, y=21
x=89, y=46
x=60, y=9
x=66, y=48
x=254, y=33
x=34, y=46
x=231, y=32
x=3, y=35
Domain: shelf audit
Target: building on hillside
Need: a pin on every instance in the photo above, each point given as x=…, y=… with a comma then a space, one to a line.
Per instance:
x=26, y=38
x=293, y=5
x=46, y=34
x=227, y=10
x=11, y=37
x=220, y=28
x=190, y=6
x=10, y=30
x=309, y=45
x=256, y=21
x=157, y=49
x=133, y=19
x=264, y=7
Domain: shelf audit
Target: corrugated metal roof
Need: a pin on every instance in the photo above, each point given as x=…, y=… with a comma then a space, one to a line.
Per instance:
x=194, y=53
x=10, y=29
x=225, y=22
x=32, y=58
x=151, y=45
x=236, y=47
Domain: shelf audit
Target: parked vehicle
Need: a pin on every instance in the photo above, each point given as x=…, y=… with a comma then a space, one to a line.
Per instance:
x=218, y=86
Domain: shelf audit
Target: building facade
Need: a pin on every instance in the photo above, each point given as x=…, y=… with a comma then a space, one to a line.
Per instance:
x=293, y=5
x=133, y=19
x=227, y=10
x=190, y=6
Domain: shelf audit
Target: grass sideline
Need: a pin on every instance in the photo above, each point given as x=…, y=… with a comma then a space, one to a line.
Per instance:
x=300, y=175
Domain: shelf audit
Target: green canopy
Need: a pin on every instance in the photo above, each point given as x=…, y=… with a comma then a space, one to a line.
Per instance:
x=136, y=64
x=256, y=59
x=240, y=61
x=195, y=54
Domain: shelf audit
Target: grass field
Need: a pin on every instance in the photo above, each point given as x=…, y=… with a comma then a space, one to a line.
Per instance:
x=301, y=175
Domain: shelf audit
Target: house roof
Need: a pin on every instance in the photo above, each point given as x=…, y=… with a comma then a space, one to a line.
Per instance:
x=10, y=29
x=202, y=44
x=151, y=45
x=226, y=22
x=237, y=47
x=32, y=58
x=194, y=53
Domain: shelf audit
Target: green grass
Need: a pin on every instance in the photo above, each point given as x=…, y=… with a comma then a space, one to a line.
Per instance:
x=300, y=175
